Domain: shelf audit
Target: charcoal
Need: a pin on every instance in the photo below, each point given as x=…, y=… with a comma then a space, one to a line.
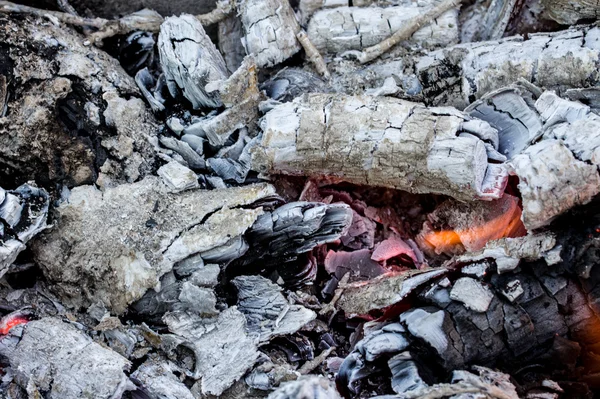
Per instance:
x=310, y=386
x=230, y=36
x=240, y=94
x=190, y=60
x=270, y=28
x=23, y=214
x=191, y=157
x=136, y=50
x=568, y=13
x=440, y=72
x=368, y=130
x=157, y=379
x=195, y=142
x=507, y=253
x=74, y=116
x=472, y=293
x=201, y=347
x=517, y=122
x=358, y=263
x=177, y=177
x=146, y=83
x=354, y=28
x=290, y=83
x=66, y=364
x=295, y=228
x=266, y=309
x=186, y=224
x=405, y=374
x=383, y=291
x=381, y=342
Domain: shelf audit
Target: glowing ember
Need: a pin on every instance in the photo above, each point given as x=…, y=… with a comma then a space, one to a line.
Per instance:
x=10, y=321
x=474, y=229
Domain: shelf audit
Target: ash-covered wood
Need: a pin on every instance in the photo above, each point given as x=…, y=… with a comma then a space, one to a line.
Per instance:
x=190, y=60
x=53, y=356
x=380, y=141
x=383, y=291
x=310, y=386
x=558, y=172
x=569, y=12
x=460, y=74
x=270, y=28
x=23, y=214
x=73, y=115
x=353, y=28
x=267, y=311
x=135, y=234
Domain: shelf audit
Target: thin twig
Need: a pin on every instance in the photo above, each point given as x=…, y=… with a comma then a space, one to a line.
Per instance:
x=404, y=33
x=8, y=7
x=223, y=10
x=313, y=54
x=66, y=7
x=145, y=20
x=310, y=365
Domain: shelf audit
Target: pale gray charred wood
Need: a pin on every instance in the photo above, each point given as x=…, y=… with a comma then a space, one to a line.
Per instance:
x=569, y=12
x=230, y=36
x=270, y=28
x=190, y=60
x=290, y=83
x=461, y=74
x=134, y=234
x=382, y=142
x=354, y=28
x=23, y=214
x=268, y=312
x=73, y=116
x=558, y=172
x=55, y=357
x=157, y=378
x=310, y=386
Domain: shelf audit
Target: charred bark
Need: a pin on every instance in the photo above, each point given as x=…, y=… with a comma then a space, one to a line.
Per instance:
x=383, y=142
x=354, y=28
x=169, y=228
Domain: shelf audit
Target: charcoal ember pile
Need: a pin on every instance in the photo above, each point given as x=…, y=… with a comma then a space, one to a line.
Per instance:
x=304, y=199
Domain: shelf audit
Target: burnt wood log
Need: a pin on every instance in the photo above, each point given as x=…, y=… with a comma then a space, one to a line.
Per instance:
x=558, y=172
x=270, y=28
x=53, y=356
x=382, y=142
x=459, y=75
x=73, y=115
x=569, y=12
x=162, y=229
x=354, y=28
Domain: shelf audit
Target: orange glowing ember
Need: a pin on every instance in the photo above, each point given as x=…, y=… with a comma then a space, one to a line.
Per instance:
x=503, y=219
x=10, y=322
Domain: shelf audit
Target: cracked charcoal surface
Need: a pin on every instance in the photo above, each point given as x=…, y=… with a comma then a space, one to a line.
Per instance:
x=132, y=252
x=74, y=115
x=270, y=30
x=71, y=367
x=378, y=141
x=353, y=28
x=190, y=60
x=460, y=74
